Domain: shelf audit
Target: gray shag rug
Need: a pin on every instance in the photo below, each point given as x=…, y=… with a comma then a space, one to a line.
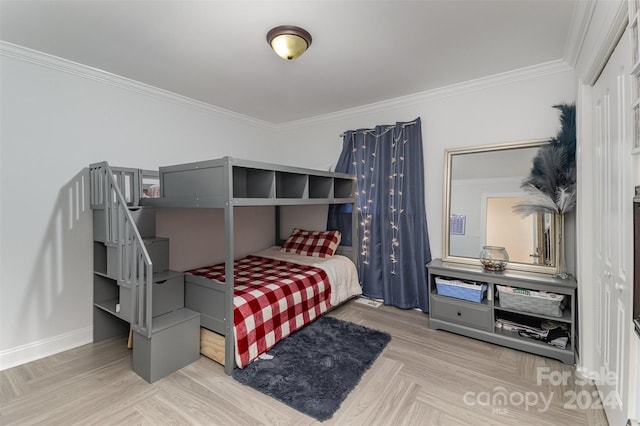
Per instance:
x=314, y=369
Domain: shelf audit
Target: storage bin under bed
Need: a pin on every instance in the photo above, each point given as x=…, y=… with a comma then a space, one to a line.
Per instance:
x=536, y=302
x=466, y=290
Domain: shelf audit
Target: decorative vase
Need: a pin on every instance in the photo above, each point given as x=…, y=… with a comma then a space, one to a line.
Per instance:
x=561, y=267
x=494, y=258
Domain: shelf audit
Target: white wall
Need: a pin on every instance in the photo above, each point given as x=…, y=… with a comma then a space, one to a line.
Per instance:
x=57, y=118
x=512, y=107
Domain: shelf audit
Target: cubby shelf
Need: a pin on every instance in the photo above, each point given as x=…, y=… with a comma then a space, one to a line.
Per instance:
x=215, y=182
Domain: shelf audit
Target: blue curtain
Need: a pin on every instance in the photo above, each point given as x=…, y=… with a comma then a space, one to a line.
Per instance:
x=392, y=225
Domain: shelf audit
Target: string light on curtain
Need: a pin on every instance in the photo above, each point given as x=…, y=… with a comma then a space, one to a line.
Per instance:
x=392, y=239
x=366, y=181
x=395, y=192
x=365, y=207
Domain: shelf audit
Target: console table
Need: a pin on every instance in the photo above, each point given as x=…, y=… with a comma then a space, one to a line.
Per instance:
x=478, y=319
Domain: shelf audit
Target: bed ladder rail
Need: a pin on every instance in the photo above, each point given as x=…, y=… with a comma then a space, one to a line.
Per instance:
x=114, y=190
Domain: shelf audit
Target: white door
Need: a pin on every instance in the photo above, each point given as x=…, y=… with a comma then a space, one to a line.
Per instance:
x=613, y=273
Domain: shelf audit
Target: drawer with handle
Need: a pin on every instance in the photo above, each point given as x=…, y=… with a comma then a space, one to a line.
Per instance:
x=466, y=313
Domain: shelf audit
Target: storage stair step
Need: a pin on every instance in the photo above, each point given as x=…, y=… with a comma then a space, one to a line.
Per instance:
x=108, y=261
x=167, y=338
x=175, y=331
x=174, y=343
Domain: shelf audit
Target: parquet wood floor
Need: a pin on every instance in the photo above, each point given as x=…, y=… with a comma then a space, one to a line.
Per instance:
x=424, y=377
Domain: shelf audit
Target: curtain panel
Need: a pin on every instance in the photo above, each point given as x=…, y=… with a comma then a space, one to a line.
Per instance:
x=392, y=226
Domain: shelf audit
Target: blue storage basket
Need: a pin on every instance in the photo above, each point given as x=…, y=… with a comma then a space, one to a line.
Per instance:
x=464, y=290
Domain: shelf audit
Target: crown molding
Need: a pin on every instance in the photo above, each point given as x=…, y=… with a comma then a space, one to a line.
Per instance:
x=522, y=74
x=63, y=65
x=609, y=38
x=580, y=22
x=35, y=57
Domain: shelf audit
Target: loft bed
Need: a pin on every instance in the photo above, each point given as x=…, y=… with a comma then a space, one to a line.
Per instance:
x=212, y=290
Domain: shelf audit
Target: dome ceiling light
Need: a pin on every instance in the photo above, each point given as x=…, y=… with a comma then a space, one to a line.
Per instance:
x=289, y=41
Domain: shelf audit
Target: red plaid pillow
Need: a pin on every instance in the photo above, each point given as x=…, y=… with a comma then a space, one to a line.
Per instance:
x=312, y=243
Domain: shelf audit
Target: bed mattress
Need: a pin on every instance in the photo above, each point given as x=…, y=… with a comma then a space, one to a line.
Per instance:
x=341, y=272
x=276, y=293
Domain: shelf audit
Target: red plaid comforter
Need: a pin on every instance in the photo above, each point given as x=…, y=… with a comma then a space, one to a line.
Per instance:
x=272, y=299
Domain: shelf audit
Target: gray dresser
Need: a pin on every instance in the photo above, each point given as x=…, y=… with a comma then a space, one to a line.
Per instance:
x=479, y=319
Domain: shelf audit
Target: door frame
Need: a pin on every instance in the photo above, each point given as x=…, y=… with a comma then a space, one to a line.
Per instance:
x=587, y=364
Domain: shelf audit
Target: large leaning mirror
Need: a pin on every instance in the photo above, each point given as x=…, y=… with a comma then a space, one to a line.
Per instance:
x=482, y=184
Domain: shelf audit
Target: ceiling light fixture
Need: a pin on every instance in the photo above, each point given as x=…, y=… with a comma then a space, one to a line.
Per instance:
x=288, y=41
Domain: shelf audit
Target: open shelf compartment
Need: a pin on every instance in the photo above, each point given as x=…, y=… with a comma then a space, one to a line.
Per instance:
x=253, y=183
x=292, y=185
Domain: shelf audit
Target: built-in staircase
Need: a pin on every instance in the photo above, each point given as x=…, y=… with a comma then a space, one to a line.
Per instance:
x=134, y=291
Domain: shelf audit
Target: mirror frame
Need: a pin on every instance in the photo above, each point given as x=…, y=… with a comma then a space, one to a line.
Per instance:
x=446, y=210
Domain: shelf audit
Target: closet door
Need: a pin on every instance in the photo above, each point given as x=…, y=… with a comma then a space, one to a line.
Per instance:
x=612, y=204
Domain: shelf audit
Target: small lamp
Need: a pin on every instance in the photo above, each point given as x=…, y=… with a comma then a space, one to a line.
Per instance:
x=289, y=41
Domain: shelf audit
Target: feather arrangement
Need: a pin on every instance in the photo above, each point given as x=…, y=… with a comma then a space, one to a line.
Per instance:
x=551, y=185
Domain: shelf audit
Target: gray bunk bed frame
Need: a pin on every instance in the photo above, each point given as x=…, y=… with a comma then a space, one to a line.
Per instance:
x=229, y=182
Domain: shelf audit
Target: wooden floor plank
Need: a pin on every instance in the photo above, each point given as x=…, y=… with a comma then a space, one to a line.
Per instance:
x=421, y=378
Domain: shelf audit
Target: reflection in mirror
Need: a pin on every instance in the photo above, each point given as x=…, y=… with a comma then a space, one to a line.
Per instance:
x=482, y=186
x=533, y=242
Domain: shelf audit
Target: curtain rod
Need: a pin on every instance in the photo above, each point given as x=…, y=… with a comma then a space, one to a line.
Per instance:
x=386, y=128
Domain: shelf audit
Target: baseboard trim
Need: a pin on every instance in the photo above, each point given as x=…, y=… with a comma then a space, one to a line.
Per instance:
x=42, y=348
